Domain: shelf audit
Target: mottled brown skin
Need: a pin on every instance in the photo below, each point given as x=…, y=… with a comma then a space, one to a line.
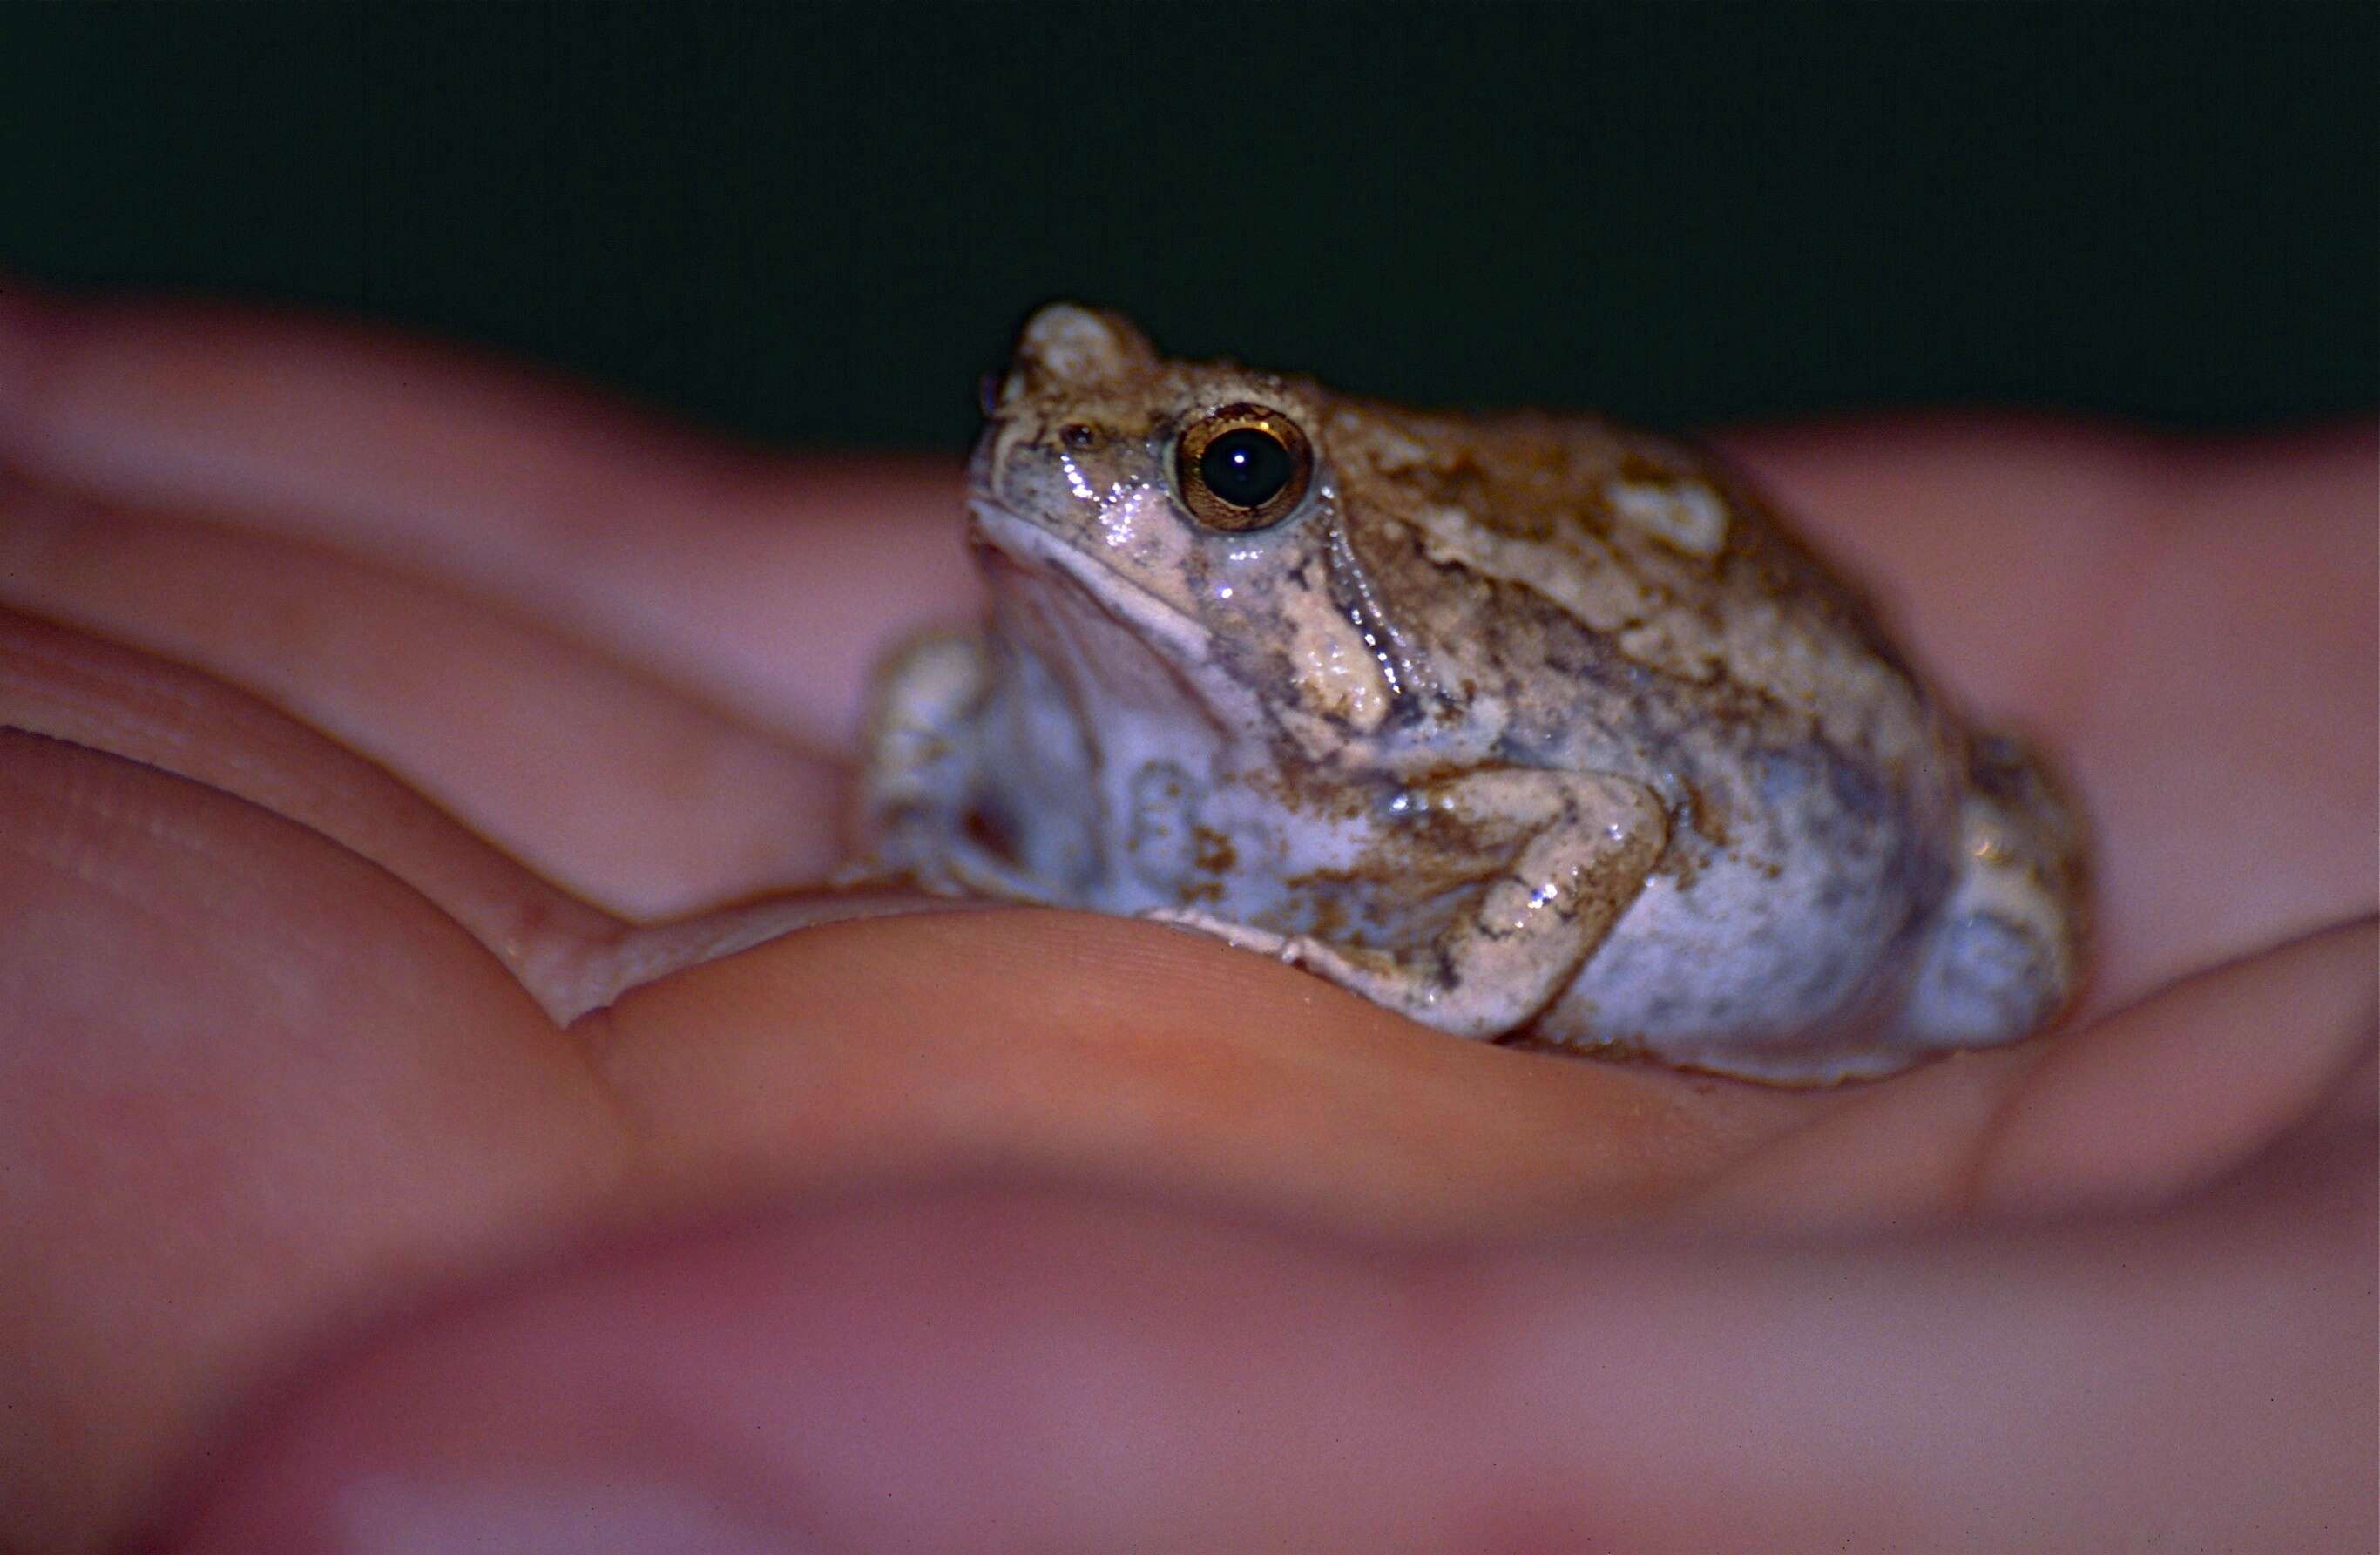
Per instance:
x=1698, y=664
x=1542, y=480
x=1515, y=720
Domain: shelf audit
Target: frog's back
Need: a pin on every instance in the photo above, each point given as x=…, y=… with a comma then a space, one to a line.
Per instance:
x=1631, y=597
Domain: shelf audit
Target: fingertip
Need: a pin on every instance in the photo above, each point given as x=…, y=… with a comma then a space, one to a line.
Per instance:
x=18, y=294
x=39, y=327
x=21, y=314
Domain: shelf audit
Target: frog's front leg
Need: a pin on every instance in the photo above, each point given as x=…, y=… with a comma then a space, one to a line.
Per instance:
x=921, y=789
x=1550, y=859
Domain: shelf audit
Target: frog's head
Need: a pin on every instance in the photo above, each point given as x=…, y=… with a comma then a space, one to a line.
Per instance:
x=1139, y=506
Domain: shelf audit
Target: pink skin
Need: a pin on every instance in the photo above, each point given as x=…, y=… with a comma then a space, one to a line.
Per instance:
x=335, y=1160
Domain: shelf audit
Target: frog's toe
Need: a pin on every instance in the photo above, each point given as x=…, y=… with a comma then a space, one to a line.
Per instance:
x=2006, y=950
x=1416, y=985
x=1986, y=978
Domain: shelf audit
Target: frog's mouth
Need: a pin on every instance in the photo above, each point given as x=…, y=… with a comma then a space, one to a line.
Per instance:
x=1098, y=627
x=1037, y=550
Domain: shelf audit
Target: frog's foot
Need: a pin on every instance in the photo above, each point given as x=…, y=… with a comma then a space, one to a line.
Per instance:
x=1518, y=937
x=2006, y=951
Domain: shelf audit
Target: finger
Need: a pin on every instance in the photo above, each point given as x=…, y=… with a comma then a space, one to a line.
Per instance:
x=1996, y=540
x=2143, y=1107
x=76, y=689
x=570, y=957
x=1143, y=1056
x=1005, y=1370
x=616, y=787
x=2230, y=738
x=251, y=1086
x=2207, y=1074
x=766, y=586
x=2188, y=627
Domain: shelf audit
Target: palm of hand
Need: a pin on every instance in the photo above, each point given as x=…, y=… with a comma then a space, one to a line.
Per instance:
x=286, y=1044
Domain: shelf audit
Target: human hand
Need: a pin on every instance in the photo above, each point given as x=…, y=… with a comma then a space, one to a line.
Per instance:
x=1085, y=1230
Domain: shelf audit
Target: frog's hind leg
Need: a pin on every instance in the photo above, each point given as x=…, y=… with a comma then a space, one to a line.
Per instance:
x=2006, y=950
x=1577, y=847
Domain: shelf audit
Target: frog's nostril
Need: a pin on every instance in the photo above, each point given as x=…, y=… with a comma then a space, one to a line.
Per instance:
x=1077, y=436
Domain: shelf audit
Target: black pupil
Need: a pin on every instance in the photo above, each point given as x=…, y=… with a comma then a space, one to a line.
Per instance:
x=1247, y=467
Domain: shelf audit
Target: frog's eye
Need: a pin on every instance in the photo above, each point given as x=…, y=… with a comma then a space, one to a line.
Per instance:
x=1243, y=467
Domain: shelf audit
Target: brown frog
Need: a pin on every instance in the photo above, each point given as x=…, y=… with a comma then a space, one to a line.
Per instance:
x=1515, y=722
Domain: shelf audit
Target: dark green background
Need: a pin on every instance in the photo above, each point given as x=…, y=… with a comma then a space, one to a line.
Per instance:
x=819, y=225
